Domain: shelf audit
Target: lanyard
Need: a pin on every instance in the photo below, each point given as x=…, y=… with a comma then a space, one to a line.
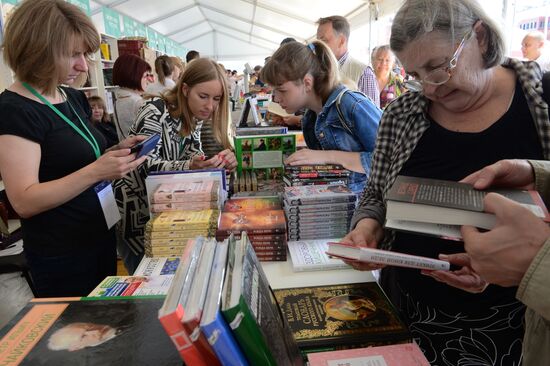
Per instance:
x=88, y=137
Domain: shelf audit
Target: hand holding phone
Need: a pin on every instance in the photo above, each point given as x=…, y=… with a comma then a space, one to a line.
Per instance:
x=145, y=146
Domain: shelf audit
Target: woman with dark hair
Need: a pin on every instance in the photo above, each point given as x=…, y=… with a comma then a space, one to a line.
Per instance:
x=102, y=120
x=132, y=75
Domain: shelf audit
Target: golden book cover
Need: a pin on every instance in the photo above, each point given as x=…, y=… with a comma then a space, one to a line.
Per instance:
x=348, y=314
x=252, y=204
x=181, y=220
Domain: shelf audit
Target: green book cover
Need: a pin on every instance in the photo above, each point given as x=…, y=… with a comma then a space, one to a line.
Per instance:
x=264, y=154
x=347, y=314
x=256, y=320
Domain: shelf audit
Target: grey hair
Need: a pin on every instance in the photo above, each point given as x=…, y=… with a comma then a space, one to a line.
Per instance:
x=539, y=36
x=454, y=18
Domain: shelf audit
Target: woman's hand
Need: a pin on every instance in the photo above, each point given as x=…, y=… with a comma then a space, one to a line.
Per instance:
x=115, y=164
x=128, y=142
x=367, y=233
x=225, y=159
x=465, y=278
x=307, y=156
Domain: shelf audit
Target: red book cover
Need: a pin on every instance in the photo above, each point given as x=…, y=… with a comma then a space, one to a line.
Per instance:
x=256, y=222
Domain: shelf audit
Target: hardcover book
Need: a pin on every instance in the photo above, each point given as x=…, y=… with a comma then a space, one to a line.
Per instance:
x=189, y=191
x=341, y=315
x=182, y=220
x=436, y=201
x=83, y=331
x=408, y=354
x=252, y=204
x=313, y=168
x=249, y=307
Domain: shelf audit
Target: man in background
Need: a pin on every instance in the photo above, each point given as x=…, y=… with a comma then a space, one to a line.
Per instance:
x=533, y=49
x=191, y=55
x=335, y=31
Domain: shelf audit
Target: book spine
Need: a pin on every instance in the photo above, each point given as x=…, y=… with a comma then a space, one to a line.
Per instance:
x=224, y=344
x=402, y=260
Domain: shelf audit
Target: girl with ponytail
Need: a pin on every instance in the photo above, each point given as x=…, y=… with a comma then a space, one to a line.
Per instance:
x=340, y=125
x=164, y=67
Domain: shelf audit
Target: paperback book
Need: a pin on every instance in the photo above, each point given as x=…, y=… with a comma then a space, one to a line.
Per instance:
x=408, y=354
x=310, y=255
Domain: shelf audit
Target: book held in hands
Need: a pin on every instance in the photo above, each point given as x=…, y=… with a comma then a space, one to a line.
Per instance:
x=439, y=207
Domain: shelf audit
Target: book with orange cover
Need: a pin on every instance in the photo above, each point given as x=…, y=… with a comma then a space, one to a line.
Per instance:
x=255, y=222
x=84, y=331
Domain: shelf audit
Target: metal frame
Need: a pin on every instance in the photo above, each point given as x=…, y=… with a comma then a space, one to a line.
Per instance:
x=241, y=31
x=280, y=12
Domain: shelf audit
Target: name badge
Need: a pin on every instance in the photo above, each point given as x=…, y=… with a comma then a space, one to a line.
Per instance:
x=104, y=192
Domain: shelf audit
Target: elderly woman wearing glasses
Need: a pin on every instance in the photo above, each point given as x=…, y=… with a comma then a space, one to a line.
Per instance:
x=468, y=107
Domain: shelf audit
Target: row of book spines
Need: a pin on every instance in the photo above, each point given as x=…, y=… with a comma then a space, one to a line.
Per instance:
x=317, y=174
x=314, y=181
x=318, y=200
x=309, y=168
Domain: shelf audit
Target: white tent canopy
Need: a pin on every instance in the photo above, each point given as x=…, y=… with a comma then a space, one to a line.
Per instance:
x=241, y=29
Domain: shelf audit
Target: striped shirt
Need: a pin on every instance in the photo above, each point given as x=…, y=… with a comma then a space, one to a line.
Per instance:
x=367, y=83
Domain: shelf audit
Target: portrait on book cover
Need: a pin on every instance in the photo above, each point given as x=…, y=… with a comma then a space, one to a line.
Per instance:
x=109, y=332
x=347, y=307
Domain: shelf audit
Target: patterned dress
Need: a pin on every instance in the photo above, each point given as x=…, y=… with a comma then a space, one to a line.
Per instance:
x=451, y=326
x=173, y=152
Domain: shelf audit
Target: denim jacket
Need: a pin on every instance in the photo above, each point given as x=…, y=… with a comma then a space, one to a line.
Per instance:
x=326, y=132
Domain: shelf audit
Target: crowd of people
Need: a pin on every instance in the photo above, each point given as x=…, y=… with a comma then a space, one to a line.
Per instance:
x=441, y=100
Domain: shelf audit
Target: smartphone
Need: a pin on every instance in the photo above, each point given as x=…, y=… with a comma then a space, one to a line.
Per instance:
x=145, y=146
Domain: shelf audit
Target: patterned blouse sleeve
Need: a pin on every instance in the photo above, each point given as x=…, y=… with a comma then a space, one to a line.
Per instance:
x=371, y=204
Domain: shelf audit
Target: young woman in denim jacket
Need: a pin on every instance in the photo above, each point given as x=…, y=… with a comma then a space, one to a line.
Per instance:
x=340, y=125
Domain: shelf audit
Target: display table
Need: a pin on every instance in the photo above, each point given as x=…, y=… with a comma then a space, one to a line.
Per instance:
x=281, y=275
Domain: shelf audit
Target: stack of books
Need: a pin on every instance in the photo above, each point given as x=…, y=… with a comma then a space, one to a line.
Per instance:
x=220, y=309
x=167, y=234
x=243, y=182
x=191, y=195
x=263, y=219
x=307, y=175
x=319, y=211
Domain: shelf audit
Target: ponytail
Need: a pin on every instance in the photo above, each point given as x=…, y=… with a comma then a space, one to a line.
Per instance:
x=293, y=60
x=164, y=66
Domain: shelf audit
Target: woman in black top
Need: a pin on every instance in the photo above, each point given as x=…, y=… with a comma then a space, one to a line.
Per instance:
x=51, y=157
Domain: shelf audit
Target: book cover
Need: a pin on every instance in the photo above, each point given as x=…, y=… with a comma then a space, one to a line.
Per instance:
x=73, y=331
x=213, y=324
x=157, y=266
x=257, y=222
x=408, y=354
x=117, y=286
x=251, y=311
x=298, y=182
x=252, y=204
x=310, y=255
x=317, y=194
x=182, y=220
x=263, y=154
x=340, y=314
x=452, y=203
x=187, y=191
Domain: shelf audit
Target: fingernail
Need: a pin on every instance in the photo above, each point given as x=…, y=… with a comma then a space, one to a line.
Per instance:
x=443, y=256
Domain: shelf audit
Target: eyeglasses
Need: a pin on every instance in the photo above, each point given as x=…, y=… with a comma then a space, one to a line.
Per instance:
x=148, y=75
x=440, y=75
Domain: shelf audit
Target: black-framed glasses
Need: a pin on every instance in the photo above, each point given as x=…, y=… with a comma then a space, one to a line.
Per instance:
x=440, y=75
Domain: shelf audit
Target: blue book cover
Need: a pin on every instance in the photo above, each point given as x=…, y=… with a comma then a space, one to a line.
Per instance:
x=222, y=341
x=213, y=324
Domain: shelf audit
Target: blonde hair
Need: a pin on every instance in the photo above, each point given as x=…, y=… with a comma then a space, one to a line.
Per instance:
x=40, y=37
x=94, y=99
x=199, y=71
x=178, y=63
x=293, y=60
